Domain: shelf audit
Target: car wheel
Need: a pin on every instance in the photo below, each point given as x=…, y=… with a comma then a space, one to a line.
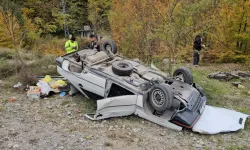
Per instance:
x=161, y=97
x=109, y=45
x=122, y=68
x=184, y=75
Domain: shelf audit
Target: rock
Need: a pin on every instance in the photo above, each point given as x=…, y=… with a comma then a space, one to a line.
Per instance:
x=142, y=122
x=236, y=83
x=191, y=134
x=241, y=86
x=198, y=146
x=116, y=126
x=50, y=107
x=136, y=140
x=123, y=126
x=136, y=130
x=111, y=128
x=201, y=142
x=61, y=147
x=69, y=113
x=248, y=92
x=162, y=133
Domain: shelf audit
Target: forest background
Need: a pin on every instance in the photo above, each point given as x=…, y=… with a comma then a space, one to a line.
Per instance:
x=146, y=29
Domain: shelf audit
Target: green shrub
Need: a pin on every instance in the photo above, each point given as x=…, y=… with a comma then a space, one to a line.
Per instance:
x=226, y=57
x=240, y=59
x=6, y=53
x=7, y=69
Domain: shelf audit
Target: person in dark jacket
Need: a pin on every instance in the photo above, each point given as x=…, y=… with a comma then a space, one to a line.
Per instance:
x=197, y=48
x=93, y=43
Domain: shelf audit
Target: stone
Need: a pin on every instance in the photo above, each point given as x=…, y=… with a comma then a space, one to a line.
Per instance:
x=50, y=107
x=236, y=83
x=198, y=146
x=136, y=130
x=136, y=140
x=162, y=133
x=241, y=86
x=111, y=128
x=201, y=142
x=69, y=113
x=248, y=92
x=123, y=126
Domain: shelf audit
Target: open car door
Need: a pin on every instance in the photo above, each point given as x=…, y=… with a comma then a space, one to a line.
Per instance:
x=115, y=107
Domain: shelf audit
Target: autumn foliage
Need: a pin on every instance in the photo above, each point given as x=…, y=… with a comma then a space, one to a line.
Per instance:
x=166, y=28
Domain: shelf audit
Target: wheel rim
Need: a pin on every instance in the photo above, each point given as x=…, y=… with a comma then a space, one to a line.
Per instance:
x=158, y=97
x=180, y=77
x=109, y=48
x=123, y=65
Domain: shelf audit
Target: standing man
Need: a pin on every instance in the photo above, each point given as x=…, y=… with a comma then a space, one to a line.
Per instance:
x=71, y=45
x=93, y=43
x=197, y=48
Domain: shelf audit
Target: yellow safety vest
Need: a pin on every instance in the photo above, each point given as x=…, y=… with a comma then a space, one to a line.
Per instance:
x=69, y=46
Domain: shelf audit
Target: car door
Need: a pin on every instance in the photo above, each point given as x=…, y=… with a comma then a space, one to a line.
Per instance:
x=91, y=82
x=115, y=107
x=84, y=80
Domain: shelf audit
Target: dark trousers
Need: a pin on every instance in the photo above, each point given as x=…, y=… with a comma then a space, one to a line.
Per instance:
x=196, y=58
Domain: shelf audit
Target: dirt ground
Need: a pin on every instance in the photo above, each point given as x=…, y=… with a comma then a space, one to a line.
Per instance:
x=58, y=123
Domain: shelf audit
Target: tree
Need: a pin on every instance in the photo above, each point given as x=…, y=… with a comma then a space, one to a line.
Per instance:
x=98, y=14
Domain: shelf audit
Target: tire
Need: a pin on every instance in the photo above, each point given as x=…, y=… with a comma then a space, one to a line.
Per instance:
x=184, y=75
x=122, y=68
x=200, y=89
x=161, y=97
x=109, y=45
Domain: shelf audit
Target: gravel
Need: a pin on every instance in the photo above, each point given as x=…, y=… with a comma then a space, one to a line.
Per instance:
x=47, y=124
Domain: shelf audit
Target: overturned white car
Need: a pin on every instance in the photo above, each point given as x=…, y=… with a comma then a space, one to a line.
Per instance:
x=125, y=87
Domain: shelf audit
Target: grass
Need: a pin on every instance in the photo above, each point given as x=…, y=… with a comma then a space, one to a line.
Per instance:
x=85, y=105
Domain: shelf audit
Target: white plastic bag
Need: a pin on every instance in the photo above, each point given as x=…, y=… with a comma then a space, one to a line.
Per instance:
x=45, y=88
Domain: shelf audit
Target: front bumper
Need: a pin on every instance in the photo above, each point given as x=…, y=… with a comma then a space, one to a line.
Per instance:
x=190, y=115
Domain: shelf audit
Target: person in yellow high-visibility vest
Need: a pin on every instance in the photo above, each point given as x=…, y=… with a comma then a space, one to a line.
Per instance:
x=71, y=45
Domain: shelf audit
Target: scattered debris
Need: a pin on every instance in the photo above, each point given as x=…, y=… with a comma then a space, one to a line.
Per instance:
x=62, y=94
x=12, y=99
x=229, y=76
x=18, y=85
x=34, y=93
